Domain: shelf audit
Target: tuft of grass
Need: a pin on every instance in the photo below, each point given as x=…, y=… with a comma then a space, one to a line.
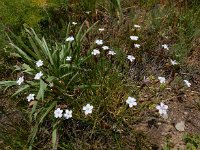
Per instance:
x=192, y=141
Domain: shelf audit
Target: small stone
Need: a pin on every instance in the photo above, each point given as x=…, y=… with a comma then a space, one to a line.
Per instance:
x=180, y=126
x=163, y=133
x=165, y=116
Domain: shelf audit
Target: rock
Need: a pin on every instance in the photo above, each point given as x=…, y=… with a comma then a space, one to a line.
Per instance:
x=159, y=123
x=180, y=126
x=165, y=116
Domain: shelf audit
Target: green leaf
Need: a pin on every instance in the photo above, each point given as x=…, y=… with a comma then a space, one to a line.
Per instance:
x=23, y=88
x=33, y=134
x=30, y=147
x=33, y=44
x=88, y=86
x=54, y=138
x=72, y=78
x=88, y=30
x=7, y=83
x=65, y=75
x=50, y=78
x=26, y=49
x=47, y=111
x=27, y=69
x=33, y=110
x=78, y=35
x=43, y=87
x=24, y=55
x=45, y=47
x=68, y=66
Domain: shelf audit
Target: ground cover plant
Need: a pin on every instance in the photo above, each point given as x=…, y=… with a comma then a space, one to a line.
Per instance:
x=101, y=75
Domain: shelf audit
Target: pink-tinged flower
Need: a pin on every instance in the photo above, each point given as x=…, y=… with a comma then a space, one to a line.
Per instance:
x=20, y=80
x=136, y=26
x=30, y=97
x=39, y=63
x=134, y=38
x=161, y=79
x=58, y=113
x=165, y=46
x=137, y=45
x=74, y=23
x=51, y=84
x=88, y=109
x=130, y=58
x=38, y=75
x=105, y=47
x=95, y=52
x=70, y=39
x=88, y=12
x=101, y=29
x=111, y=53
x=69, y=58
x=173, y=62
x=162, y=108
x=131, y=101
x=99, y=42
x=187, y=83
x=67, y=114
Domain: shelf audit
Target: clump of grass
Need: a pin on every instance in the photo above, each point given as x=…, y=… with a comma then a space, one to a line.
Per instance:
x=192, y=141
x=69, y=83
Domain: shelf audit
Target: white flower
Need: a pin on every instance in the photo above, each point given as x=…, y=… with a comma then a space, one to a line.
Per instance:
x=30, y=97
x=95, y=52
x=38, y=75
x=67, y=114
x=131, y=101
x=105, y=47
x=88, y=109
x=134, y=38
x=70, y=39
x=137, y=45
x=165, y=46
x=131, y=58
x=162, y=108
x=39, y=63
x=173, y=62
x=20, y=80
x=69, y=58
x=161, y=79
x=137, y=26
x=111, y=53
x=51, y=84
x=187, y=83
x=58, y=113
x=88, y=12
x=99, y=42
x=74, y=23
x=101, y=29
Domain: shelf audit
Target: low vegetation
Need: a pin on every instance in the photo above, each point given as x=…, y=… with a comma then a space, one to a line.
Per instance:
x=98, y=74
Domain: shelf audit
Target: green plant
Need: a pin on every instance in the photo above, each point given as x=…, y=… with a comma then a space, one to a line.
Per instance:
x=67, y=83
x=175, y=26
x=192, y=141
x=113, y=7
x=65, y=76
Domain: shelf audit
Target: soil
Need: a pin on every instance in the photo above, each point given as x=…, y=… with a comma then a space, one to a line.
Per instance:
x=184, y=108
